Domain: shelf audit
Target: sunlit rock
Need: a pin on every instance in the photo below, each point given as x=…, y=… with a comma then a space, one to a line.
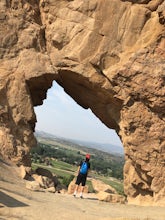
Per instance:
x=109, y=56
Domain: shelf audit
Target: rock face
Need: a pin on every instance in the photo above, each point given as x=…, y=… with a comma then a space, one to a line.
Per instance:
x=112, y=198
x=98, y=186
x=109, y=55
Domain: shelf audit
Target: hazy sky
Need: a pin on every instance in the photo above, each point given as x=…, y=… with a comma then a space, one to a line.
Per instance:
x=62, y=116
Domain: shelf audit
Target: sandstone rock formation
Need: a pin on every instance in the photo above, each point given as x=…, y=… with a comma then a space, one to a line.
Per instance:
x=112, y=198
x=98, y=186
x=109, y=55
x=107, y=193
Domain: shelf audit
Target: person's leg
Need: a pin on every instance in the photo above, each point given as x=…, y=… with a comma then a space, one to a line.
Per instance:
x=83, y=186
x=76, y=189
x=78, y=181
x=81, y=192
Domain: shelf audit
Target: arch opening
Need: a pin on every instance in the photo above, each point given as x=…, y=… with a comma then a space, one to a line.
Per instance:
x=62, y=116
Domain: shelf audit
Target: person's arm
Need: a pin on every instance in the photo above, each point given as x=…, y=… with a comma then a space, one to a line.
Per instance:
x=78, y=170
x=88, y=169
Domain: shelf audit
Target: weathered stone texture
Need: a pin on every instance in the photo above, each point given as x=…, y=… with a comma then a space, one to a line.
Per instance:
x=109, y=55
x=112, y=198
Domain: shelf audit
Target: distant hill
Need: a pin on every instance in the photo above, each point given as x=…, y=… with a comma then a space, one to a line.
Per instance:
x=110, y=148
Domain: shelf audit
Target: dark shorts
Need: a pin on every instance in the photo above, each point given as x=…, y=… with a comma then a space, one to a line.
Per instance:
x=81, y=178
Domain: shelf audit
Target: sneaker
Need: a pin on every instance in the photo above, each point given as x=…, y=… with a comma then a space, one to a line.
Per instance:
x=81, y=197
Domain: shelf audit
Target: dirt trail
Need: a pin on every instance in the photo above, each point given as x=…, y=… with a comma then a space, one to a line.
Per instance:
x=16, y=202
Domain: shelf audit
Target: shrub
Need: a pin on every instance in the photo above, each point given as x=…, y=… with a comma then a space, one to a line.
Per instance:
x=66, y=180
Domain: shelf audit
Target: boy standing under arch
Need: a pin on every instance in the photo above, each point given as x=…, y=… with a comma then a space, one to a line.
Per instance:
x=82, y=175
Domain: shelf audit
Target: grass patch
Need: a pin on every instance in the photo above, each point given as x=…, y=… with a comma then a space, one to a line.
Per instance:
x=90, y=187
x=118, y=186
x=63, y=165
x=63, y=176
x=57, y=172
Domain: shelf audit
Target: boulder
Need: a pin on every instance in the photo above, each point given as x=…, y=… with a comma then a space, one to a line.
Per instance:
x=51, y=189
x=25, y=172
x=113, y=198
x=98, y=186
x=33, y=185
x=44, y=181
x=55, y=181
x=44, y=172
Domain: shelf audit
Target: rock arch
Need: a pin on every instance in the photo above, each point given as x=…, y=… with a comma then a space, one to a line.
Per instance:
x=109, y=56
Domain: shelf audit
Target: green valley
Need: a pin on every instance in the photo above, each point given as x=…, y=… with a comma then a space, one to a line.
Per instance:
x=62, y=158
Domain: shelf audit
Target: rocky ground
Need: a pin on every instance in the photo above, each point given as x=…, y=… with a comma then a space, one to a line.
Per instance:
x=16, y=202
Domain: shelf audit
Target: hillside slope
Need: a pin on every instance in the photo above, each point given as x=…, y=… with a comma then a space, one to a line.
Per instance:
x=106, y=147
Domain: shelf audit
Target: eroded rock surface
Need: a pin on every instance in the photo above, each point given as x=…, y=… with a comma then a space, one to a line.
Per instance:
x=109, y=55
